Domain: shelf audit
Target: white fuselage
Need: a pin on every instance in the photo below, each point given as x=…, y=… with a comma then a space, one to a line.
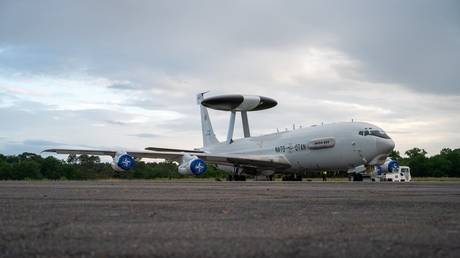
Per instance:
x=338, y=146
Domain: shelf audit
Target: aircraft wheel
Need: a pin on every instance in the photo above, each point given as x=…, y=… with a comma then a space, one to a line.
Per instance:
x=240, y=178
x=357, y=177
x=297, y=177
x=293, y=177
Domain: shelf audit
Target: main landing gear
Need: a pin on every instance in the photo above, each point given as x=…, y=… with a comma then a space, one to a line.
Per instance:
x=236, y=178
x=356, y=177
x=236, y=175
x=292, y=177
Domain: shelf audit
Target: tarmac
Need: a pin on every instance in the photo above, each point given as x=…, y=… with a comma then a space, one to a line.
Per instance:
x=228, y=219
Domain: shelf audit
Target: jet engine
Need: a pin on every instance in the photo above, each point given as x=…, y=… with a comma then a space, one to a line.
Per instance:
x=122, y=161
x=192, y=165
x=389, y=166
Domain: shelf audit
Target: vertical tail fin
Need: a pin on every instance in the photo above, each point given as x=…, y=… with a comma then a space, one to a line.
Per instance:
x=209, y=138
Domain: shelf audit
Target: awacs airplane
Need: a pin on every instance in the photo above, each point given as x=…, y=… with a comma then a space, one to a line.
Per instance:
x=337, y=146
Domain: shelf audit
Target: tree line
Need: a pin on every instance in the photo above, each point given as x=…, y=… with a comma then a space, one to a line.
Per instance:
x=84, y=167
x=444, y=164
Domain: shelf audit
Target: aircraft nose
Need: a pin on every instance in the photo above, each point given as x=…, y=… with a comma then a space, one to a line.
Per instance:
x=385, y=145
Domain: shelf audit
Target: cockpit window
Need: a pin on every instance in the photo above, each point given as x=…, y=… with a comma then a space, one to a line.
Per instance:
x=376, y=133
x=380, y=134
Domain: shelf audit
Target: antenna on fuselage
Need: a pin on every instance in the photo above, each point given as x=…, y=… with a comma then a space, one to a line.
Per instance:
x=238, y=103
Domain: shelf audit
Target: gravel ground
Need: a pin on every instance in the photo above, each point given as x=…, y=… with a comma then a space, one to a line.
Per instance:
x=228, y=219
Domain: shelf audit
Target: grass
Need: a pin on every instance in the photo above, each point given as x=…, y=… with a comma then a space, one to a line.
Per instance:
x=436, y=179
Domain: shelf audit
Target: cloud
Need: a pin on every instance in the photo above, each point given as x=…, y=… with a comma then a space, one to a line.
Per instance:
x=358, y=107
x=102, y=77
x=394, y=39
x=29, y=145
x=113, y=122
x=144, y=135
x=122, y=86
x=41, y=143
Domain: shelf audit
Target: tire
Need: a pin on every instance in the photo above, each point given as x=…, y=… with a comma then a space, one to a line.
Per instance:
x=292, y=177
x=239, y=178
x=358, y=177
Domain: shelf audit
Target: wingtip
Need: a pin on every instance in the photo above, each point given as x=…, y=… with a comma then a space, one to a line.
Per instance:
x=50, y=150
x=47, y=150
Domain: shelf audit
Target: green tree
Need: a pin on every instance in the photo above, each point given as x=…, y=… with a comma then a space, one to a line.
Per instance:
x=26, y=169
x=417, y=161
x=451, y=158
x=5, y=169
x=29, y=156
x=394, y=155
x=72, y=159
x=51, y=168
x=88, y=161
x=438, y=166
x=416, y=153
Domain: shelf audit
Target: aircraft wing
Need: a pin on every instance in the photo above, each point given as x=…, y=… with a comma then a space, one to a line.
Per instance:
x=82, y=151
x=242, y=160
x=172, y=150
x=112, y=153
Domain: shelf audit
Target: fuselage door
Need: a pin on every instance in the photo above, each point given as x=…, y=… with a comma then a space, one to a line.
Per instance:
x=357, y=149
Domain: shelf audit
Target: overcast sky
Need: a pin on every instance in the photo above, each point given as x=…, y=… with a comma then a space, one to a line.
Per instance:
x=125, y=74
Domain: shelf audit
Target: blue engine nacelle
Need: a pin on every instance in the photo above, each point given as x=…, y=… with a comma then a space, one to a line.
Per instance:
x=192, y=165
x=389, y=166
x=123, y=162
